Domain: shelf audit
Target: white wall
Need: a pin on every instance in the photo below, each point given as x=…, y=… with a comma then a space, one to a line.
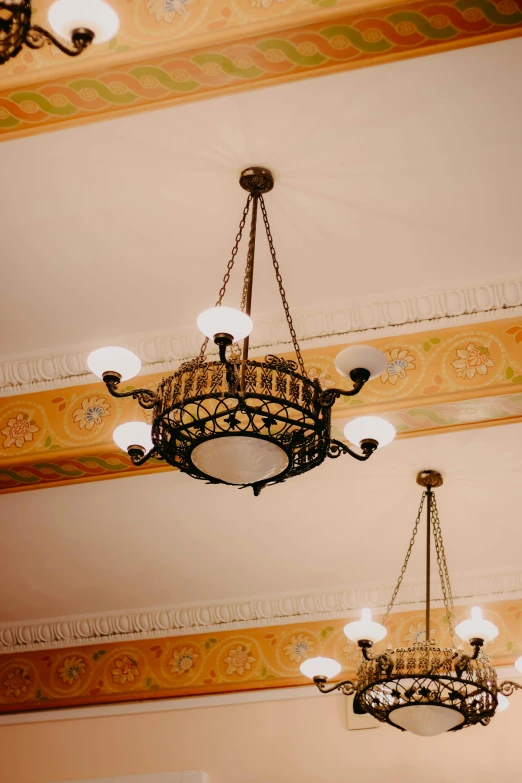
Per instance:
x=297, y=741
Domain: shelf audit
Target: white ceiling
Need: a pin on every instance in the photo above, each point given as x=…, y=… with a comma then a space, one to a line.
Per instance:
x=400, y=178
x=167, y=539
x=403, y=177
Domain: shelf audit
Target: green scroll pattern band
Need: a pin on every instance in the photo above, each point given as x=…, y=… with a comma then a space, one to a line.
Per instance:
x=46, y=473
x=403, y=31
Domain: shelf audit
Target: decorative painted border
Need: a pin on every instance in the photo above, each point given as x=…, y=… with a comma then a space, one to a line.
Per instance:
x=257, y=612
x=442, y=309
x=349, y=41
x=465, y=376
x=224, y=661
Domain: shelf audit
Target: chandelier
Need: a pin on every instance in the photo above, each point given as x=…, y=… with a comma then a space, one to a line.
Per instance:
x=78, y=23
x=237, y=420
x=424, y=688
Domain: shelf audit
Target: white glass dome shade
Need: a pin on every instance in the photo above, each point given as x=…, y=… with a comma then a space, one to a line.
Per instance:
x=320, y=667
x=133, y=433
x=114, y=359
x=370, y=428
x=225, y=320
x=240, y=459
x=99, y=17
x=361, y=357
x=426, y=720
x=502, y=702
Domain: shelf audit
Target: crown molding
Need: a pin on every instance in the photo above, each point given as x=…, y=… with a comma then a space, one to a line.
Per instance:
x=315, y=328
x=260, y=611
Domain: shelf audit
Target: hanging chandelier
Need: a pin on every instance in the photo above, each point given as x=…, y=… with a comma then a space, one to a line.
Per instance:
x=77, y=23
x=236, y=420
x=424, y=688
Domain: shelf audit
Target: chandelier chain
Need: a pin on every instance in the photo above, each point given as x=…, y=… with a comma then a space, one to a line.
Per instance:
x=230, y=266
x=281, y=289
x=406, y=559
x=443, y=570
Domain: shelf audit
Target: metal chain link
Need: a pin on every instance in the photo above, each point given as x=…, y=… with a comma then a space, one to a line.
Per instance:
x=281, y=289
x=408, y=553
x=230, y=265
x=443, y=569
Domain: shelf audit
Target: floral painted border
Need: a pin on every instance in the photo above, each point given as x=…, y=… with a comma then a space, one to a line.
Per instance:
x=226, y=661
x=373, y=36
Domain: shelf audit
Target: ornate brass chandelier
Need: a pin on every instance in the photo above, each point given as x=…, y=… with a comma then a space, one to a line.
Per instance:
x=424, y=688
x=237, y=420
x=77, y=23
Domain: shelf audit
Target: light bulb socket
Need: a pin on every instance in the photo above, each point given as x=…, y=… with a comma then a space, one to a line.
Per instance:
x=364, y=643
x=82, y=37
x=136, y=452
x=369, y=445
x=359, y=375
x=111, y=377
x=476, y=642
x=320, y=679
x=223, y=341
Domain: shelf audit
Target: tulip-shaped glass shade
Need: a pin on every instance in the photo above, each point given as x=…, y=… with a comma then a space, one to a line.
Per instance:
x=114, y=359
x=133, y=433
x=370, y=428
x=502, y=702
x=476, y=628
x=365, y=629
x=518, y=664
x=225, y=320
x=320, y=667
x=361, y=357
x=95, y=15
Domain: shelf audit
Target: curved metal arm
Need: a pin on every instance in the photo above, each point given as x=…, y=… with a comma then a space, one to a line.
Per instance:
x=81, y=38
x=327, y=397
x=146, y=398
x=336, y=448
x=508, y=687
x=346, y=686
x=139, y=459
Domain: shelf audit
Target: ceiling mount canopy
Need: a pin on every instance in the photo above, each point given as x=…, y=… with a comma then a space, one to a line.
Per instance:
x=424, y=688
x=77, y=24
x=243, y=421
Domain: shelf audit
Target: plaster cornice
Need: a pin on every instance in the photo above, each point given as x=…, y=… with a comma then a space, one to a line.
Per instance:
x=260, y=611
x=315, y=328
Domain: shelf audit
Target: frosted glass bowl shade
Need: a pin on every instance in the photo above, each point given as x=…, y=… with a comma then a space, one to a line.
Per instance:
x=114, y=359
x=476, y=627
x=365, y=630
x=320, y=667
x=95, y=15
x=225, y=320
x=502, y=702
x=133, y=433
x=363, y=357
x=426, y=720
x=370, y=428
x=239, y=459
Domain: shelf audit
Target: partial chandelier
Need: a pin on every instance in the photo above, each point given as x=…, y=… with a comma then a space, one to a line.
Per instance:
x=424, y=688
x=241, y=421
x=77, y=24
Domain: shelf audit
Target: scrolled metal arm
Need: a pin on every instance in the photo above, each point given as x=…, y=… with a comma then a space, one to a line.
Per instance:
x=347, y=687
x=327, y=397
x=146, y=398
x=336, y=448
x=37, y=37
x=508, y=687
